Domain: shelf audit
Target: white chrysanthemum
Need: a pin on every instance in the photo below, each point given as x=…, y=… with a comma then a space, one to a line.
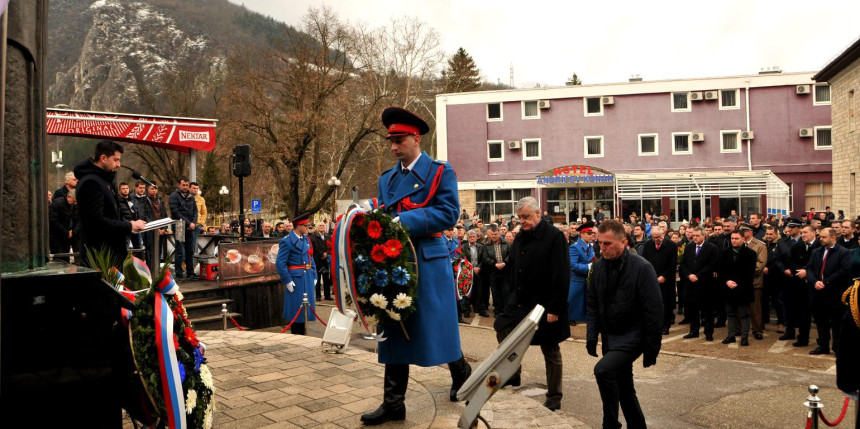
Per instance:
x=207, y=417
x=184, y=312
x=190, y=401
x=179, y=296
x=393, y=314
x=361, y=299
x=371, y=320
x=206, y=376
x=402, y=301
x=379, y=300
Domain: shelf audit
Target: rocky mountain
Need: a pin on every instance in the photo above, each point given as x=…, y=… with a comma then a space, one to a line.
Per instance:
x=126, y=56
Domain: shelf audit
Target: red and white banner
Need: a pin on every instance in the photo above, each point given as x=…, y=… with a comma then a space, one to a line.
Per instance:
x=179, y=134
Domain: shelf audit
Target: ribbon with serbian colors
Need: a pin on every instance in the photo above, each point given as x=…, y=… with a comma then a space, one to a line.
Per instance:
x=171, y=386
x=343, y=273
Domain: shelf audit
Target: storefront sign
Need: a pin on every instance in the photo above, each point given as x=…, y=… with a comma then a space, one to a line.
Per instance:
x=574, y=174
x=249, y=259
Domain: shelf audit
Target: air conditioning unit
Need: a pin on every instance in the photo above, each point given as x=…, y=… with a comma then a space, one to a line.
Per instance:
x=712, y=95
x=543, y=104
x=747, y=135
x=805, y=132
x=607, y=100
x=697, y=136
x=514, y=144
x=802, y=89
x=696, y=96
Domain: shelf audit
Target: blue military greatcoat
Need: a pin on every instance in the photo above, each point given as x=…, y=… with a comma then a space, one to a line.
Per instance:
x=581, y=254
x=427, y=203
x=296, y=264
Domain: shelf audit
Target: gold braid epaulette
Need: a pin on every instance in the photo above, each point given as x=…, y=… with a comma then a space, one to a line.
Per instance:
x=849, y=298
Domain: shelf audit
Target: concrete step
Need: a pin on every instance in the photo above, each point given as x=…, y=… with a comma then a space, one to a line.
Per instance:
x=205, y=306
x=214, y=322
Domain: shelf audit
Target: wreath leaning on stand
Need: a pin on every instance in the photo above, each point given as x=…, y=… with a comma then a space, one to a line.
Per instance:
x=385, y=272
x=148, y=405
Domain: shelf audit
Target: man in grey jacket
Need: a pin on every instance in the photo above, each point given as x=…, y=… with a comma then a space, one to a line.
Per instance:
x=626, y=309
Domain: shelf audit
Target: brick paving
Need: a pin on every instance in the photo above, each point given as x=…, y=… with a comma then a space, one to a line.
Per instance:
x=273, y=380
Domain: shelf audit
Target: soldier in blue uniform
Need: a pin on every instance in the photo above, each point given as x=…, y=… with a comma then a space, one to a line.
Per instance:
x=298, y=272
x=421, y=194
x=581, y=256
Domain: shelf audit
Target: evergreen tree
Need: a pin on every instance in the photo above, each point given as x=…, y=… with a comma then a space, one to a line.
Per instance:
x=574, y=80
x=462, y=74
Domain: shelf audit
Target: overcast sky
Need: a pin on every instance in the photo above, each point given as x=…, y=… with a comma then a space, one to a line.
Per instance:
x=608, y=41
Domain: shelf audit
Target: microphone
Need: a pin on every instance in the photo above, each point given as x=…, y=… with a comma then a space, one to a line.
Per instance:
x=137, y=176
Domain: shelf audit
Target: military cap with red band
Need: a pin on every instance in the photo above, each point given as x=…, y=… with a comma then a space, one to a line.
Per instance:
x=401, y=122
x=301, y=219
x=586, y=227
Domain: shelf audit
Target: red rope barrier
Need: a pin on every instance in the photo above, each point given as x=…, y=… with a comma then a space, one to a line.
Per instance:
x=841, y=416
x=291, y=321
x=808, y=422
x=317, y=316
x=237, y=325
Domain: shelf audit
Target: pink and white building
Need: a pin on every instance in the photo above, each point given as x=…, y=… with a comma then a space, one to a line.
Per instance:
x=688, y=148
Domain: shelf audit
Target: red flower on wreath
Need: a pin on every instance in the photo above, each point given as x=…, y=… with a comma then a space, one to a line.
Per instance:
x=378, y=253
x=175, y=342
x=374, y=230
x=359, y=219
x=393, y=248
x=191, y=336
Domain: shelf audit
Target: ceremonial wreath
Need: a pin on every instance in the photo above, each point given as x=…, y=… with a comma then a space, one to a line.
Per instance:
x=175, y=385
x=377, y=275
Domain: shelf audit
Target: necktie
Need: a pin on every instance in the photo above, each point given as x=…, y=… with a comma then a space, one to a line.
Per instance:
x=658, y=247
x=404, y=171
x=698, y=247
x=823, y=263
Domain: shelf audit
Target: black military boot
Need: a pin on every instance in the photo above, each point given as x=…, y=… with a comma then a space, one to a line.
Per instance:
x=460, y=372
x=393, y=406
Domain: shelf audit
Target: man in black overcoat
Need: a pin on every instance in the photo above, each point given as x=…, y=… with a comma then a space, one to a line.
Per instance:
x=735, y=274
x=319, y=242
x=798, y=288
x=828, y=275
x=625, y=309
x=663, y=256
x=471, y=249
x=697, y=269
x=101, y=224
x=540, y=274
x=494, y=259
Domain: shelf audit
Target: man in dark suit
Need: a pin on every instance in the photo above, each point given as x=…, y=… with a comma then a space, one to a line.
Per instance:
x=735, y=274
x=471, y=250
x=495, y=258
x=783, y=258
x=828, y=274
x=697, y=272
x=319, y=241
x=663, y=256
x=798, y=293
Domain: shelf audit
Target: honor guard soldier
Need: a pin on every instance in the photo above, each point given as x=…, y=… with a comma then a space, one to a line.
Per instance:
x=581, y=254
x=421, y=194
x=298, y=272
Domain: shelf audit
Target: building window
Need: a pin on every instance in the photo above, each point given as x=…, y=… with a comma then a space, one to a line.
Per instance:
x=790, y=197
x=593, y=106
x=819, y=194
x=822, y=95
x=530, y=110
x=495, y=150
x=822, y=138
x=730, y=141
x=681, y=144
x=531, y=149
x=729, y=99
x=648, y=145
x=593, y=146
x=494, y=112
x=681, y=102
x=492, y=203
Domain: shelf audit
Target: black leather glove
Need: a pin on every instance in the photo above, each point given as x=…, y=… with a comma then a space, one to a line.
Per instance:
x=591, y=348
x=649, y=360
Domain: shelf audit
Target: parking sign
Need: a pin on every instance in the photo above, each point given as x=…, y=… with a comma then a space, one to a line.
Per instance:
x=256, y=205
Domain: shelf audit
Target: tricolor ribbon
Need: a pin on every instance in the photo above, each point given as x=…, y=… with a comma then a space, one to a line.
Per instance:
x=171, y=386
x=343, y=272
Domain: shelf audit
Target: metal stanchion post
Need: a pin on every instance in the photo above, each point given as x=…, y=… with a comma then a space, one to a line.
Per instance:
x=305, y=305
x=813, y=402
x=224, y=317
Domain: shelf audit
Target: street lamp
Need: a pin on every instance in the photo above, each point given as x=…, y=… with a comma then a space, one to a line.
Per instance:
x=57, y=159
x=223, y=192
x=333, y=183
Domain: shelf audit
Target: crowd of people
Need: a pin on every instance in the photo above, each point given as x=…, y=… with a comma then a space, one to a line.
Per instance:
x=736, y=273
